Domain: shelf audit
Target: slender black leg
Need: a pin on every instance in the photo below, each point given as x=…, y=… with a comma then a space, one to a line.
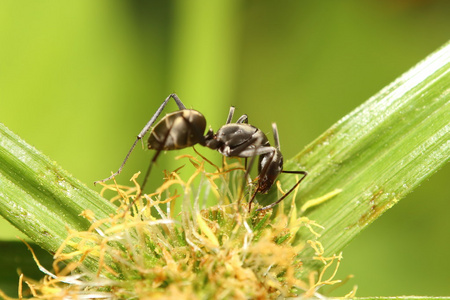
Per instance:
x=144, y=131
x=251, y=200
x=147, y=174
x=256, y=141
x=244, y=179
x=245, y=149
x=290, y=191
x=304, y=173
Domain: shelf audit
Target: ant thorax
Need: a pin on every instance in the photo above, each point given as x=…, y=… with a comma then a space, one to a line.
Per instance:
x=238, y=140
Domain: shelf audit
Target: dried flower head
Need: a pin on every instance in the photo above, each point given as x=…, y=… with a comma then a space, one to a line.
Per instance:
x=171, y=245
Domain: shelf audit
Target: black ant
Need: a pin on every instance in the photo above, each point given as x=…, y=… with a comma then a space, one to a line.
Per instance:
x=185, y=127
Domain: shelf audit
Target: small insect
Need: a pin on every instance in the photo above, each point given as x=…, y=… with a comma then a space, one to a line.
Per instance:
x=185, y=128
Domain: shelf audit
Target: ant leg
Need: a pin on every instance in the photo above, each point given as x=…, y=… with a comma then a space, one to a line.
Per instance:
x=290, y=191
x=147, y=174
x=275, y=136
x=121, y=166
x=144, y=131
x=252, y=153
x=242, y=119
x=230, y=115
x=158, y=112
x=249, y=148
x=247, y=176
x=304, y=173
x=262, y=173
x=251, y=201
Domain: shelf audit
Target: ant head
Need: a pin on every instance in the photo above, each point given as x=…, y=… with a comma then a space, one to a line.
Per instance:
x=270, y=166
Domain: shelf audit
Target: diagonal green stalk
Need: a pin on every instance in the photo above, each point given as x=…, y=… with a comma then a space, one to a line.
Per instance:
x=378, y=153
x=39, y=197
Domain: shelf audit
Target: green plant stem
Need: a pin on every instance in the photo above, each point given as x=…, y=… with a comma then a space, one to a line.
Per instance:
x=378, y=153
x=39, y=197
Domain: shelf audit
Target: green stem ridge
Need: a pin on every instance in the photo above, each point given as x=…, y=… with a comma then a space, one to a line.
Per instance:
x=39, y=197
x=378, y=153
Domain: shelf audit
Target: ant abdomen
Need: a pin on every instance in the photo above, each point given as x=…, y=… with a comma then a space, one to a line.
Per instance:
x=178, y=130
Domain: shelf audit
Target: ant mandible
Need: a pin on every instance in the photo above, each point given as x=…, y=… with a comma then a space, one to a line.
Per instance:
x=185, y=127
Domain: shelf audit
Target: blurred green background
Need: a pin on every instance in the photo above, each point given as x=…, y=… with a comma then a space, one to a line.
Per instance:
x=79, y=79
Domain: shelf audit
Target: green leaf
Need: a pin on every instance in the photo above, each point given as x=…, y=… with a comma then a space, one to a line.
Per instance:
x=39, y=197
x=378, y=153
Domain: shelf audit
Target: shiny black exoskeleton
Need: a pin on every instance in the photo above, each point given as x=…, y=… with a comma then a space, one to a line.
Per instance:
x=185, y=128
x=178, y=130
